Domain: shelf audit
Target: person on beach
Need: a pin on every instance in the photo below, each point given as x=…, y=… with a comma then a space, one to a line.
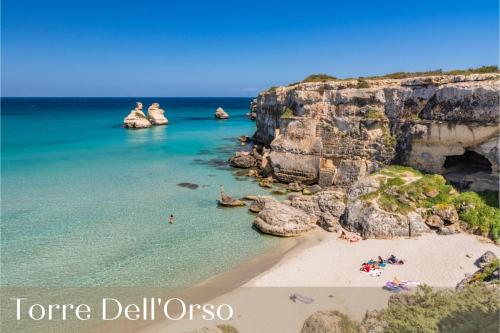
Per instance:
x=171, y=219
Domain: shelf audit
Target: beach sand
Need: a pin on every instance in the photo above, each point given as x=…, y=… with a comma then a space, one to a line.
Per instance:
x=326, y=268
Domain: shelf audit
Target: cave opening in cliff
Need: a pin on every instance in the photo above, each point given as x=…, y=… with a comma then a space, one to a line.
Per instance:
x=458, y=166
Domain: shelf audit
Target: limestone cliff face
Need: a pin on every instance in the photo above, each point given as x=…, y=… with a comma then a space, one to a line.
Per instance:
x=336, y=132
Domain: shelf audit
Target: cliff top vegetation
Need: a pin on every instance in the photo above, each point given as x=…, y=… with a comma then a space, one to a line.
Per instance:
x=403, y=75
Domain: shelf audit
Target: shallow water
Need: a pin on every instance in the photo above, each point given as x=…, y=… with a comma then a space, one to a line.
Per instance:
x=86, y=202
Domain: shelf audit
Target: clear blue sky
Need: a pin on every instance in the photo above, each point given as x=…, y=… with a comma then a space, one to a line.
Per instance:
x=231, y=48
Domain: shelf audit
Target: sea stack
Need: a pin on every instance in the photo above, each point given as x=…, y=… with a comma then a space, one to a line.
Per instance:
x=156, y=115
x=136, y=118
x=221, y=114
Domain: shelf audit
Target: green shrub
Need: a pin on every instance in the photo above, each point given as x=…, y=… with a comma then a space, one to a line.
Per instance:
x=227, y=328
x=287, y=113
x=480, y=211
x=469, y=309
x=362, y=84
x=319, y=78
x=374, y=114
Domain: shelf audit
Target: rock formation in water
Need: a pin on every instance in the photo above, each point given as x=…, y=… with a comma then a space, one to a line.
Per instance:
x=136, y=118
x=221, y=114
x=243, y=160
x=336, y=132
x=156, y=115
x=252, y=115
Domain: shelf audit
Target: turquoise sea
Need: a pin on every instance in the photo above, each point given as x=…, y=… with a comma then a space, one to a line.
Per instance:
x=86, y=202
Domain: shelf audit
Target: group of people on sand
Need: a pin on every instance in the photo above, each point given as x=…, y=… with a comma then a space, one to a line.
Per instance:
x=380, y=263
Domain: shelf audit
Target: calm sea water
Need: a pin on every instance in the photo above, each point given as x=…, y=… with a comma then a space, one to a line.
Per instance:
x=86, y=202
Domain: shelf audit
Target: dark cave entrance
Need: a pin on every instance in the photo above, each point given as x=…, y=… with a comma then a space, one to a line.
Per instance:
x=469, y=162
x=456, y=167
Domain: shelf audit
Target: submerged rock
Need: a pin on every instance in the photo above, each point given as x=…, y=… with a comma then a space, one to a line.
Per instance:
x=295, y=187
x=156, y=115
x=283, y=220
x=266, y=182
x=221, y=114
x=190, y=186
x=136, y=118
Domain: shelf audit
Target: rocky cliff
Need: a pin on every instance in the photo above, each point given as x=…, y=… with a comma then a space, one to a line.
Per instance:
x=334, y=133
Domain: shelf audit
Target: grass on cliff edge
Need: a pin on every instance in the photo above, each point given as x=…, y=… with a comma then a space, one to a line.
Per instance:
x=480, y=211
x=401, y=75
x=469, y=309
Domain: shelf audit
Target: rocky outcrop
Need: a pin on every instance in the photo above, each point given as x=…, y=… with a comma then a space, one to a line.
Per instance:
x=243, y=160
x=252, y=115
x=329, y=322
x=221, y=114
x=156, y=115
x=282, y=220
x=136, y=118
x=326, y=206
x=486, y=259
x=489, y=271
x=370, y=221
x=338, y=132
x=383, y=205
x=227, y=201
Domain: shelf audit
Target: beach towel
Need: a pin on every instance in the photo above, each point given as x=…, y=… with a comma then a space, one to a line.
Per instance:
x=301, y=298
x=375, y=272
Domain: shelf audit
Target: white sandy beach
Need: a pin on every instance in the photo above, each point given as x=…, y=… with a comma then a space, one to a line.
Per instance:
x=324, y=270
x=438, y=261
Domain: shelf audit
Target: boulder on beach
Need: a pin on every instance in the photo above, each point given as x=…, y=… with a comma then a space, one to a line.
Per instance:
x=136, y=118
x=156, y=115
x=329, y=322
x=282, y=220
x=221, y=114
x=327, y=206
x=370, y=221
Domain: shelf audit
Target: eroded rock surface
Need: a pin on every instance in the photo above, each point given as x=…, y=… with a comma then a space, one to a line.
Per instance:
x=329, y=322
x=156, y=115
x=243, y=160
x=283, y=220
x=136, y=118
x=326, y=206
x=221, y=114
x=337, y=132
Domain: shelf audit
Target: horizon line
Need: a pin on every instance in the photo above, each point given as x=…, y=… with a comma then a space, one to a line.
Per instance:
x=127, y=96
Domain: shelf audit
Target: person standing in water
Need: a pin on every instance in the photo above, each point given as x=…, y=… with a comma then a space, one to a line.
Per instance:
x=171, y=219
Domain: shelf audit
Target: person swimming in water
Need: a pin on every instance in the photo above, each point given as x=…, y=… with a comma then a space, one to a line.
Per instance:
x=171, y=219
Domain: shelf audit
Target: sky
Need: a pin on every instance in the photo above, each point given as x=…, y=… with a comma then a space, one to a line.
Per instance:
x=231, y=48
